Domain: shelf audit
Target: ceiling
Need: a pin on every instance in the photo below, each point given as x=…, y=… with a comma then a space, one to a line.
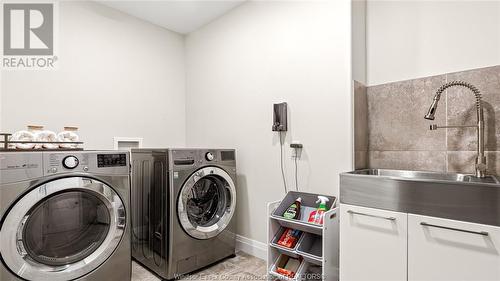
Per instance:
x=176, y=15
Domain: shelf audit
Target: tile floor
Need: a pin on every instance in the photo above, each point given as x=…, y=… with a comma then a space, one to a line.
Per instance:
x=241, y=267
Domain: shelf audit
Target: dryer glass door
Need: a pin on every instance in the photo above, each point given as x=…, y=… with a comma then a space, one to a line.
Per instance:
x=62, y=230
x=207, y=202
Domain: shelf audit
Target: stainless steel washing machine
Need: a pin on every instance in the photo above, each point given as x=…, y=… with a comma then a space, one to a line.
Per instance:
x=64, y=216
x=183, y=204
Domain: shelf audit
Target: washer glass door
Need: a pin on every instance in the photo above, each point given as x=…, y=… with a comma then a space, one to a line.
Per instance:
x=207, y=202
x=62, y=230
x=66, y=228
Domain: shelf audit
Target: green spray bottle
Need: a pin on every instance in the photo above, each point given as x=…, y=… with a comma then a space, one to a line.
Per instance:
x=316, y=216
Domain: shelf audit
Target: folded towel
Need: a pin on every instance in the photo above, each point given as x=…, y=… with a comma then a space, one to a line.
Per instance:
x=22, y=136
x=47, y=136
x=68, y=136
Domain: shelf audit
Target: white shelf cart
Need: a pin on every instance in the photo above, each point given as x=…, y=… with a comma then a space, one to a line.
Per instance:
x=318, y=245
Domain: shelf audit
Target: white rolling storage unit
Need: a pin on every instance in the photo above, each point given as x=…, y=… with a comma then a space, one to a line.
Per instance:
x=318, y=245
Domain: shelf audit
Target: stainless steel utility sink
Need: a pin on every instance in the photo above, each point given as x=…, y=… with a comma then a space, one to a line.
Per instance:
x=454, y=196
x=426, y=176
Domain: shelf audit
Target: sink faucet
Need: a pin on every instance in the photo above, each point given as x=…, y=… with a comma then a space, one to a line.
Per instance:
x=480, y=165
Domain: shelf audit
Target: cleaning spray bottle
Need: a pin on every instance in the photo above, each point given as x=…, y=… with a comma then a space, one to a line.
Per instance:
x=316, y=216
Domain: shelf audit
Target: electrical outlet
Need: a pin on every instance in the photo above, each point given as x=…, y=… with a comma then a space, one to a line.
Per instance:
x=297, y=149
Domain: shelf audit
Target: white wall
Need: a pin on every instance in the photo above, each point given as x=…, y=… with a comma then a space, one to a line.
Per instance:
x=117, y=76
x=359, y=71
x=412, y=39
x=266, y=52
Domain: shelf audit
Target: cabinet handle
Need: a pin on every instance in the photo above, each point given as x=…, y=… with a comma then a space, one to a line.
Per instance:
x=483, y=233
x=372, y=216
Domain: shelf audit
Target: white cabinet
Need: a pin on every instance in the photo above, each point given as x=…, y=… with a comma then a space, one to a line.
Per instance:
x=385, y=245
x=373, y=244
x=442, y=249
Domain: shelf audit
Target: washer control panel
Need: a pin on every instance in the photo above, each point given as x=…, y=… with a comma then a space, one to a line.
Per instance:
x=70, y=162
x=100, y=162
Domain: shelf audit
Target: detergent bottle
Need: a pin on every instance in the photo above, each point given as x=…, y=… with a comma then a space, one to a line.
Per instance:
x=316, y=216
x=293, y=212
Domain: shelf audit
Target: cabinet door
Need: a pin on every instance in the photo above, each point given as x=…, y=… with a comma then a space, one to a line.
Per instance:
x=373, y=244
x=442, y=249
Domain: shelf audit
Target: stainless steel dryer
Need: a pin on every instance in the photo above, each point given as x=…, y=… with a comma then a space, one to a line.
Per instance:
x=183, y=203
x=64, y=216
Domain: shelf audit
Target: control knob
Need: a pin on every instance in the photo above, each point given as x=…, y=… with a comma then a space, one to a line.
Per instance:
x=209, y=156
x=70, y=162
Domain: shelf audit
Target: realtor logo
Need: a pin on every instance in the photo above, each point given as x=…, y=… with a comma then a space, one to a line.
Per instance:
x=28, y=29
x=29, y=35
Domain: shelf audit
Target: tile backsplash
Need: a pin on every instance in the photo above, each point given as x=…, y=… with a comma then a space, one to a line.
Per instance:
x=391, y=132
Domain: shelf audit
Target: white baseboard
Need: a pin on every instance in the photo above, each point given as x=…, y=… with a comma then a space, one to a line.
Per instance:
x=251, y=247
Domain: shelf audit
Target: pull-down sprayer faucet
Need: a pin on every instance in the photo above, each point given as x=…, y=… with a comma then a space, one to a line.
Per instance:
x=480, y=165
